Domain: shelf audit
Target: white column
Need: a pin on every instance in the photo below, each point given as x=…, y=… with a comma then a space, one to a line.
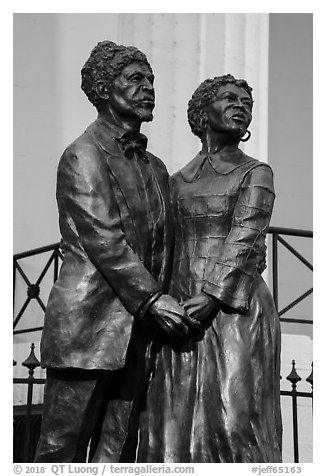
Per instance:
x=237, y=43
x=184, y=49
x=171, y=43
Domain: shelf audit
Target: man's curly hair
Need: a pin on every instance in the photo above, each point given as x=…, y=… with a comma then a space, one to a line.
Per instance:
x=206, y=93
x=106, y=62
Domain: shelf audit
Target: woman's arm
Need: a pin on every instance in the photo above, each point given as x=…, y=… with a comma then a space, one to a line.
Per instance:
x=231, y=279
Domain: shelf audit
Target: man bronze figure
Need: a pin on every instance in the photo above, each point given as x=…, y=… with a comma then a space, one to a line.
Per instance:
x=115, y=221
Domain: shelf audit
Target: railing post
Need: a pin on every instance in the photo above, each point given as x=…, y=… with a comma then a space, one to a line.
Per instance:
x=31, y=363
x=275, y=268
x=56, y=266
x=294, y=378
x=14, y=281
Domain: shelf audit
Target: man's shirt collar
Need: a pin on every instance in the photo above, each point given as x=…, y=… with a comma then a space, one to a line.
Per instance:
x=112, y=137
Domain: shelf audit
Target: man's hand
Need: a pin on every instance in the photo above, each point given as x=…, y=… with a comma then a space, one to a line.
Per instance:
x=169, y=315
x=200, y=306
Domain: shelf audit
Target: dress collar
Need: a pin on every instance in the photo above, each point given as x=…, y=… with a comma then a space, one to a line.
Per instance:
x=222, y=162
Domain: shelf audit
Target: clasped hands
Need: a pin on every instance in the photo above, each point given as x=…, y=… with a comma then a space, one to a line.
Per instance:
x=178, y=319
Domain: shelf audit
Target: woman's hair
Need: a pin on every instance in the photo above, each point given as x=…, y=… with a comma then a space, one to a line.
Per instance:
x=106, y=62
x=206, y=92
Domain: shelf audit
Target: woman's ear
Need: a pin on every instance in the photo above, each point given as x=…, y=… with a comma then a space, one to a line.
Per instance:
x=203, y=121
x=102, y=90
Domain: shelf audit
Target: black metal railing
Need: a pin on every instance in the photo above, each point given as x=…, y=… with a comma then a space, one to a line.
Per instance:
x=277, y=240
x=32, y=416
x=294, y=378
x=25, y=447
x=278, y=233
x=33, y=289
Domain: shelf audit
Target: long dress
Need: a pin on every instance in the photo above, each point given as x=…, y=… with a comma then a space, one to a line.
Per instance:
x=215, y=395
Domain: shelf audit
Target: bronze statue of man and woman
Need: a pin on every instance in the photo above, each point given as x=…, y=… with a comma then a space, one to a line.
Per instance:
x=161, y=339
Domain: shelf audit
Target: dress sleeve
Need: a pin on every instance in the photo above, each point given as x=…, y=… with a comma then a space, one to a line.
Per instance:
x=84, y=188
x=244, y=246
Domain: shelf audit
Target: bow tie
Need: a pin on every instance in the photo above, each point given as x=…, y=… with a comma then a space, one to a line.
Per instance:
x=133, y=146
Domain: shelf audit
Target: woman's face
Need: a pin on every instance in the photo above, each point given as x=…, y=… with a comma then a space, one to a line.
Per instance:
x=230, y=112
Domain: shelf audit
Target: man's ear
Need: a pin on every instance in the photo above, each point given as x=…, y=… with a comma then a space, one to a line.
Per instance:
x=102, y=90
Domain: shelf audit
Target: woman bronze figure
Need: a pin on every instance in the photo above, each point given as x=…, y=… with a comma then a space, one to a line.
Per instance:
x=215, y=394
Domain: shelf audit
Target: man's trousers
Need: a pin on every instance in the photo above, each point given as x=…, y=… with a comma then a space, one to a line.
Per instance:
x=76, y=403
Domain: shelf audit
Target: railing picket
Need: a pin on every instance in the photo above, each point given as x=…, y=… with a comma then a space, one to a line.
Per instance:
x=294, y=378
x=309, y=379
x=56, y=266
x=275, y=269
x=31, y=363
x=14, y=281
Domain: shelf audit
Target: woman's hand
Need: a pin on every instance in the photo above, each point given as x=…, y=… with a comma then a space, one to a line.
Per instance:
x=200, y=306
x=169, y=315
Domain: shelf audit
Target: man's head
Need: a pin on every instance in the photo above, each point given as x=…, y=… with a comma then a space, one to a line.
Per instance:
x=119, y=75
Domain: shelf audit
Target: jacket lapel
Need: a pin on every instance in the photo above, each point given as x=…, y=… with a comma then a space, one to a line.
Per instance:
x=121, y=177
x=164, y=192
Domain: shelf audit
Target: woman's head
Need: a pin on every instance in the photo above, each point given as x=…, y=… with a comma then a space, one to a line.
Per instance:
x=226, y=97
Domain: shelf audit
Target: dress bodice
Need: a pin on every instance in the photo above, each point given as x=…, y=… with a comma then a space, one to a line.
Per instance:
x=221, y=219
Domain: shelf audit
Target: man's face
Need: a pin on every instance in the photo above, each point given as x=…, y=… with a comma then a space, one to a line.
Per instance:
x=230, y=112
x=132, y=92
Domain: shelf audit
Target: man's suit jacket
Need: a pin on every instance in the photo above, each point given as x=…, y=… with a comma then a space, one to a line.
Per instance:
x=117, y=245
